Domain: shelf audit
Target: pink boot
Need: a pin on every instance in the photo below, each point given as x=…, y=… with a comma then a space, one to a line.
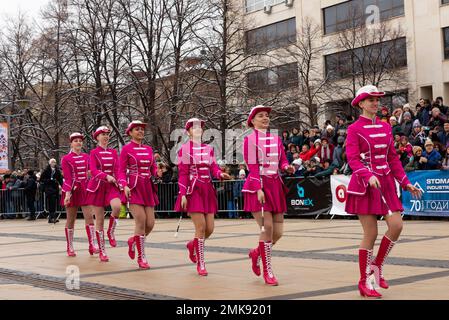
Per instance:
x=111, y=230
x=90, y=229
x=255, y=258
x=131, y=247
x=265, y=253
x=200, y=265
x=141, y=259
x=69, y=237
x=377, y=266
x=365, y=287
x=191, y=247
x=100, y=238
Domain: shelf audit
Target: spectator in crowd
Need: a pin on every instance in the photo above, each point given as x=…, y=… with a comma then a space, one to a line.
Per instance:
x=424, y=112
x=415, y=162
x=340, y=130
x=397, y=113
x=404, y=150
x=286, y=139
x=408, y=108
x=439, y=148
x=237, y=192
x=241, y=166
x=12, y=201
x=384, y=113
x=395, y=127
x=157, y=157
x=406, y=124
x=296, y=138
x=329, y=133
x=444, y=109
x=166, y=172
x=229, y=194
x=4, y=195
x=312, y=167
x=292, y=150
x=337, y=160
x=299, y=168
x=430, y=157
x=443, y=136
x=51, y=182
x=445, y=163
x=315, y=133
x=306, y=137
x=306, y=153
x=175, y=173
x=30, y=187
x=418, y=136
x=437, y=119
x=325, y=151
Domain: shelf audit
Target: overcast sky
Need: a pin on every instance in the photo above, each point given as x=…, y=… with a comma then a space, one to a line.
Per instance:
x=12, y=7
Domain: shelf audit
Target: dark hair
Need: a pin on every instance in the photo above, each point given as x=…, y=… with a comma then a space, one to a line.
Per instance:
x=288, y=133
x=435, y=105
x=439, y=98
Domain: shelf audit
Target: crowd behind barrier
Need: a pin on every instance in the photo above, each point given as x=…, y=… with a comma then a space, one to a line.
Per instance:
x=421, y=137
x=306, y=196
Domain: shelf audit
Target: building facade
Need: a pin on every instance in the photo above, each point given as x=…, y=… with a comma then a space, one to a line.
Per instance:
x=418, y=54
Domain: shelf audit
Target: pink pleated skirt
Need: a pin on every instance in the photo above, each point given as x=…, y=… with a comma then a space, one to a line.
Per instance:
x=103, y=195
x=275, y=201
x=372, y=203
x=78, y=198
x=144, y=193
x=203, y=199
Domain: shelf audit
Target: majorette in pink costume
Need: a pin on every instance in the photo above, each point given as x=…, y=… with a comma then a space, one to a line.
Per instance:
x=103, y=189
x=75, y=166
x=136, y=169
x=372, y=191
x=196, y=167
x=264, y=155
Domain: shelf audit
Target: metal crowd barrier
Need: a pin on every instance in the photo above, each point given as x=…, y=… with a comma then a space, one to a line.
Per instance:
x=14, y=202
x=229, y=195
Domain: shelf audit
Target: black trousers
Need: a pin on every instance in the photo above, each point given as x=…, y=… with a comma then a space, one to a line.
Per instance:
x=31, y=207
x=51, y=200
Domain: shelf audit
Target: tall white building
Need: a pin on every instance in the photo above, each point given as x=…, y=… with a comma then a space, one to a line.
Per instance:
x=421, y=55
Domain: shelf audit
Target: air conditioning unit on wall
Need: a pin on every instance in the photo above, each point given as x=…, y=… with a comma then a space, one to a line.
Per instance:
x=289, y=3
x=267, y=9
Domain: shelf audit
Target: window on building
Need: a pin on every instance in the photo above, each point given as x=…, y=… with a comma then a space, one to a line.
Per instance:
x=446, y=42
x=444, y=1
x=385, y=55
x=272, y=36
x=353, y=13
x=273, y=79
x=254, y=5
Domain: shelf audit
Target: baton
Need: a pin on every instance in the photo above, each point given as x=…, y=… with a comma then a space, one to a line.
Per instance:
x=179, y=224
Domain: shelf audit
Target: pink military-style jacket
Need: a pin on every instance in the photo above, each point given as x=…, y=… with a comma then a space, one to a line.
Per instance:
x=370, y=151
x=264, y=155
x=74, y=168
x=196, y=163
x=102, y=162
x=138, y=160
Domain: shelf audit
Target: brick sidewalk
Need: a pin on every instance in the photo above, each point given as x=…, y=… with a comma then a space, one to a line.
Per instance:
x=316, y=259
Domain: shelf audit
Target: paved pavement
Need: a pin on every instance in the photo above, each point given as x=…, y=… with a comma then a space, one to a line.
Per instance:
x=316, y=259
